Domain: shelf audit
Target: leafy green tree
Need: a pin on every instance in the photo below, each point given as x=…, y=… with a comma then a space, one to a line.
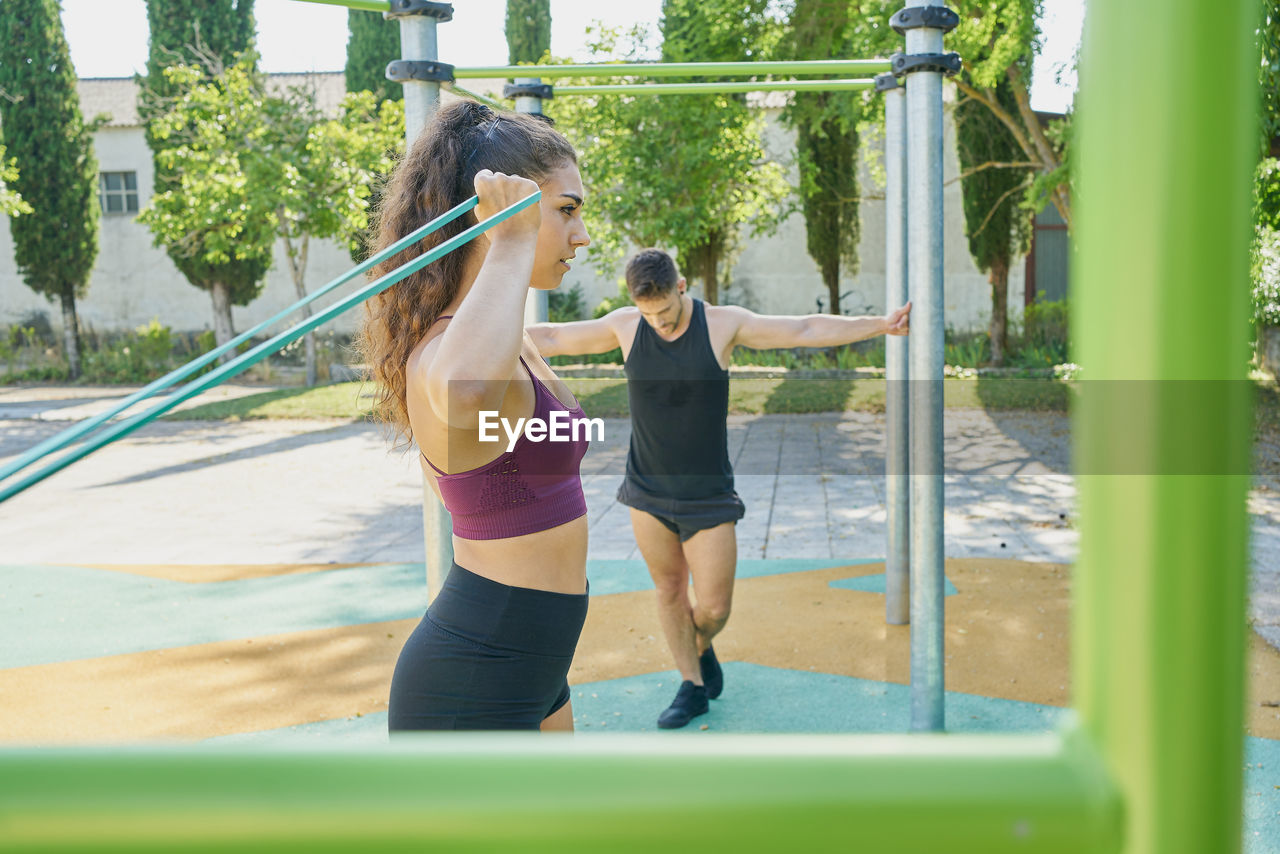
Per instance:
x=528, y=28
x=206, y=38
x=55, y=244
x=997, y=224
x=687, y=172
x=373, y=42
x=326, y=170
x=213, y=213
x=998, y=40
x=274, y=167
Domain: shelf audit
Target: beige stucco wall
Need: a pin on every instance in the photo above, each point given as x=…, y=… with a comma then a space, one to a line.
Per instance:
x=134, y=282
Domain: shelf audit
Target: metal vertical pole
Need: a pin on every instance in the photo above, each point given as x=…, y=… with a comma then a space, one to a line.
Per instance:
x=897, y=600
x=535, y=307
x=1166, y=143
x=925, y=349
x=421, y=99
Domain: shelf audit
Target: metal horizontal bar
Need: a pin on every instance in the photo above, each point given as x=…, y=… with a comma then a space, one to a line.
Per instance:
x=680, y=69
x=71, y=434
x=367, y=5
x=260, y=352
x=527, y=792
x=717, y=88
x=475, y=96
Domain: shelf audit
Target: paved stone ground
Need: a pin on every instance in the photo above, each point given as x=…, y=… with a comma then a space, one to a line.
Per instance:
x=266, y=492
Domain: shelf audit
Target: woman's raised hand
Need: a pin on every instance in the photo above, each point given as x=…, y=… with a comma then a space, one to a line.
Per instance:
x=496, y=192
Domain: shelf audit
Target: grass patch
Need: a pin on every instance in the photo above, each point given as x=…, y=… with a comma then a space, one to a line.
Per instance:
x=607, y=398
x=350, y=401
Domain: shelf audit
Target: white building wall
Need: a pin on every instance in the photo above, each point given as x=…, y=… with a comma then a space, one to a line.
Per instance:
x=134, y=282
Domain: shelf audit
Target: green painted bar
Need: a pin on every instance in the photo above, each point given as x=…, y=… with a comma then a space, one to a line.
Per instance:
x=475, y=96
x=717, y=88
x=366, y=5
x=533, y=793
x=679, y=69
x=1160, y=299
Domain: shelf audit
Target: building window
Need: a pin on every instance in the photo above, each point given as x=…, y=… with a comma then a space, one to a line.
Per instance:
x=118, y=192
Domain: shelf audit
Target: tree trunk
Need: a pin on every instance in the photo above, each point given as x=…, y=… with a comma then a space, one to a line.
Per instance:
x=71, y=332
x=298, y=269
x=999, y=329
x=1061, y=196
x=223, y=331
x=709, y=284
x=831, y=275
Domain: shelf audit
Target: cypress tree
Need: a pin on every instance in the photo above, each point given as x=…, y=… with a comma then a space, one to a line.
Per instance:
x=528, y=30
x=996, y=223
x=826, y=125
x=55, y=245
x=373, y=42
x=209, y=35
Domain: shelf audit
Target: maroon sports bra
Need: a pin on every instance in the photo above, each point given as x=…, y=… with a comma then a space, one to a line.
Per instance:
x=532, y=487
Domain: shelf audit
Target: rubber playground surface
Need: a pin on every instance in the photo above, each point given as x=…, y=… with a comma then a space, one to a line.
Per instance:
x=132, y=609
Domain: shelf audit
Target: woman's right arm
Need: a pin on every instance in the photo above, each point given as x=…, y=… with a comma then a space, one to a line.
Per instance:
x=477, y=354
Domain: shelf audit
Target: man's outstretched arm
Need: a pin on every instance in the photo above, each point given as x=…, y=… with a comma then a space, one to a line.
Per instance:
x=766, y=332
x=576, y=338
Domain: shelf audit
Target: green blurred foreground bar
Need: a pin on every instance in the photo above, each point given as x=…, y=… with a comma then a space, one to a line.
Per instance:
x=679, y=69
x=715, y=88
x=526, y=792
x=366, y=5
x=1166, y=137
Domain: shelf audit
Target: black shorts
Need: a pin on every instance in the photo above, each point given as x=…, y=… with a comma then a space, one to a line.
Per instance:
x=486, y=656
x=684, y=517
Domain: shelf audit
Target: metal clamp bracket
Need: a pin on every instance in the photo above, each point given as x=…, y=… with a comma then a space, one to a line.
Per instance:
x=528, y=90
x=410, y=8
x=422, y=69
x=920, y=17
x=887, y=82
x=904, y=63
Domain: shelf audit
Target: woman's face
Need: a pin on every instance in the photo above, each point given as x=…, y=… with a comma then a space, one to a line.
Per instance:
x=562, y=232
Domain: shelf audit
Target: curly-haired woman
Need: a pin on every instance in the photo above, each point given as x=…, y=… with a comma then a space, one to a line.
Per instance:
x=446, y=345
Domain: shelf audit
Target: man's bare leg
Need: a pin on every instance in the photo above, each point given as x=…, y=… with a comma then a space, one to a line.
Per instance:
x=712, y=556
x=662, y=553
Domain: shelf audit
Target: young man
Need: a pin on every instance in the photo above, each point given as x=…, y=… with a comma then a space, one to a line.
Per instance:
x=679, y=484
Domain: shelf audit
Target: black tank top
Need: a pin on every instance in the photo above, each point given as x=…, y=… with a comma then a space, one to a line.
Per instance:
x=679, y=399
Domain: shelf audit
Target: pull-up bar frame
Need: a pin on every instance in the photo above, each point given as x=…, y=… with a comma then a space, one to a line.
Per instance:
x=1158, y=636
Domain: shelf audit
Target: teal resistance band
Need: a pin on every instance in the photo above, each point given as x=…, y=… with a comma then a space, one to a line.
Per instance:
x=71, y=434
x=266, y=348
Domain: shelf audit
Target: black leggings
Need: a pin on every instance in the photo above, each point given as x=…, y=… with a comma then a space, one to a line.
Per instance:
x=486, y=656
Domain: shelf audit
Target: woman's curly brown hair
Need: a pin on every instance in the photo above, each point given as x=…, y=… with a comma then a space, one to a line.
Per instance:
x=438, y=173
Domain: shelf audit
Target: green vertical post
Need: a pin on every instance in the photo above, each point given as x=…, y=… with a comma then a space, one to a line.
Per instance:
x=1160, y=311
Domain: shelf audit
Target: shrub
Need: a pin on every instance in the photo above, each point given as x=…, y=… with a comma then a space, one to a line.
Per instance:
x=623, y=297
x=1265, y=274
x=565, y=306
x=138, y=356
x=1045, y=333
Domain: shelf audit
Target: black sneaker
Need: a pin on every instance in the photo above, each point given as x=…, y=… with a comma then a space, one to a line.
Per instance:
x=712, y=675
x=690, y=701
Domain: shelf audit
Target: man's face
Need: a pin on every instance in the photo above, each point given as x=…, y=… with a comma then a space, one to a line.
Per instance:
x=664, y=313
